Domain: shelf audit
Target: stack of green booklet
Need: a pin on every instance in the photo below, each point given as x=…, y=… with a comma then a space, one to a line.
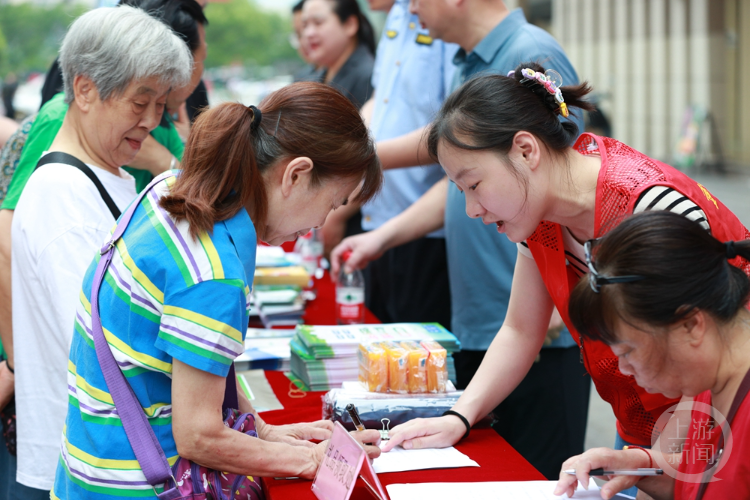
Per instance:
x=323, y=357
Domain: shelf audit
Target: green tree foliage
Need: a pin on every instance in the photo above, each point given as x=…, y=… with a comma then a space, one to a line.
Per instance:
x=32, y=34
x=240, y=32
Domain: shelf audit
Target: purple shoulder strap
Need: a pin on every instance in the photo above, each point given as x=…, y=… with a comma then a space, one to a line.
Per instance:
x=146, y=447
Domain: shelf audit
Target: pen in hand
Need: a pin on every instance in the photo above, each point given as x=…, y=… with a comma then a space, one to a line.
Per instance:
x=354, y=415
x=621, y=472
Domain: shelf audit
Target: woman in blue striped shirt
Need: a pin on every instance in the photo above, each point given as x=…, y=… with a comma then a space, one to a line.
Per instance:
x=173, y=304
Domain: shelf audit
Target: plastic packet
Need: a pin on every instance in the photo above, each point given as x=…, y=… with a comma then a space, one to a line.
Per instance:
x=416, y=360
x=398, y=369
x=437, y=366
x=373, y=367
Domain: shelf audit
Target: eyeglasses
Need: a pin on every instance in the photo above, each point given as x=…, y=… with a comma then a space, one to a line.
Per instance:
x=596, y=280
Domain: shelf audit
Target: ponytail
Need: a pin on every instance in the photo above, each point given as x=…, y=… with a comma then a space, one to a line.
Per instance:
x=220, y=172
x=487, y=111
x=231, y=146
x=684, y=269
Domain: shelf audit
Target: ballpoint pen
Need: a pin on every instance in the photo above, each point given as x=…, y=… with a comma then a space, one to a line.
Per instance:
x=354, y=415
x=621, y=472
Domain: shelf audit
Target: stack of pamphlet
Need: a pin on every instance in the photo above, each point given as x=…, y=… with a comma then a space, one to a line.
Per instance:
x=278, y=298
x=277, y=305
x=323, y=357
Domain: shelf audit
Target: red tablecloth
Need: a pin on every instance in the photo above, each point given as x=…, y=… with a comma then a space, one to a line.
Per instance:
x=497, y=459
x=322, y=310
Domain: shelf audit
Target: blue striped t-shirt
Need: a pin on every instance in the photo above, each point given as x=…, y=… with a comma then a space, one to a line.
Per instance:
x=165, y=296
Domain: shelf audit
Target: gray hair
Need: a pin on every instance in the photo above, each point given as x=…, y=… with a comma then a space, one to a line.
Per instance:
x=114, y=46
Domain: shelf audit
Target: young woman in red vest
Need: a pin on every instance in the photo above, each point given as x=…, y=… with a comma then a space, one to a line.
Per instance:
x=680, y=334
x=500, y=140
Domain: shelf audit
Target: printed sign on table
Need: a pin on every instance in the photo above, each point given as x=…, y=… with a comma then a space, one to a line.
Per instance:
x=344, y=461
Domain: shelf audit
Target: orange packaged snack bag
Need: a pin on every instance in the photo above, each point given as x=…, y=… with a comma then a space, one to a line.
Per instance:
x=437, y=366
x=373, y=367
x=398, y=375
x=416, y=360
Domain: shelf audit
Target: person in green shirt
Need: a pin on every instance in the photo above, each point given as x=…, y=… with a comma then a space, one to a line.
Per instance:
x=160, y=152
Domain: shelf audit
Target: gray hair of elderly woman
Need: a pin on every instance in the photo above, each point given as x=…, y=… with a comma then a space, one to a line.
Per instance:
x=114, y=46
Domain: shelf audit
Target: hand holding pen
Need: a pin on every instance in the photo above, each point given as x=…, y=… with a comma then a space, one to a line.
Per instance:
x=354, y=415
x=624, y=468
x=370, y=439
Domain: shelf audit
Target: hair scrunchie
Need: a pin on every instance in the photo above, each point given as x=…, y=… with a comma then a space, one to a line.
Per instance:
x=730, y=250
x=257, y=117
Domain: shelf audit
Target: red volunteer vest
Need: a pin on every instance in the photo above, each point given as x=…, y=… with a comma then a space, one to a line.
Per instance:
x=624, y=175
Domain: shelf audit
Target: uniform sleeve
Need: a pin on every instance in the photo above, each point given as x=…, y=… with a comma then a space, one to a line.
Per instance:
x=204, y=325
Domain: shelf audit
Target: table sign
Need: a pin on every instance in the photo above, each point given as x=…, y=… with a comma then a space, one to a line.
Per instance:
x=343, y=462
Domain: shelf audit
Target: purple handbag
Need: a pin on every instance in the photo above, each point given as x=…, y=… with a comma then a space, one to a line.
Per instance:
x=186, y=479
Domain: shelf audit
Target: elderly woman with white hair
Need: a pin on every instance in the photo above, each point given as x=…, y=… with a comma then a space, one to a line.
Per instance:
x=119, y=65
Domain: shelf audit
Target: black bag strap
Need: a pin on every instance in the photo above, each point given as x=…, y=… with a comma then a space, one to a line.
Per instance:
x=60, y=157
x=736, y=402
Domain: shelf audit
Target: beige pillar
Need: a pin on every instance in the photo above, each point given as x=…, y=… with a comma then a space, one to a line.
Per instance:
x=678, y=67
x=640, y=125
x=699, y=53
x=622, y=70
x=657, y=84
x=574, y=27
x=586, y=61
x=604, y=65
x=558, y=22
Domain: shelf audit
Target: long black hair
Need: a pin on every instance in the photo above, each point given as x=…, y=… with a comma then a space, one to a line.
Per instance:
x=345, y=9
x=685, y=269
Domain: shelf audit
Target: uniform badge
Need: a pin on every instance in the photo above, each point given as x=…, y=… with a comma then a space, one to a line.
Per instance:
x=423, y=39
x=391, y=33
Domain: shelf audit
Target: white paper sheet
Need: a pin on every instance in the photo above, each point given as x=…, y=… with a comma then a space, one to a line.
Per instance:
x=517, y=490
x=399, y=459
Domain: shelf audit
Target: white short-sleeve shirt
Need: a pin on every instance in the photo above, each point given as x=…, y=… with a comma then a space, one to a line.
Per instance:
x=58, y=225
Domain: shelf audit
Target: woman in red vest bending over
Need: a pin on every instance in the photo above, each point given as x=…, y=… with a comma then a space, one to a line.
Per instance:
x=678, y=333
x=500, y=140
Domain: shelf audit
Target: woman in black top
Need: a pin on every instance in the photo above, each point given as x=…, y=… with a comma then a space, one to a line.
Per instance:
x=342, y=42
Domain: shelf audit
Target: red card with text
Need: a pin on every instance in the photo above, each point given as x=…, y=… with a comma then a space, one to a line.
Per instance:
x=344, y=461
